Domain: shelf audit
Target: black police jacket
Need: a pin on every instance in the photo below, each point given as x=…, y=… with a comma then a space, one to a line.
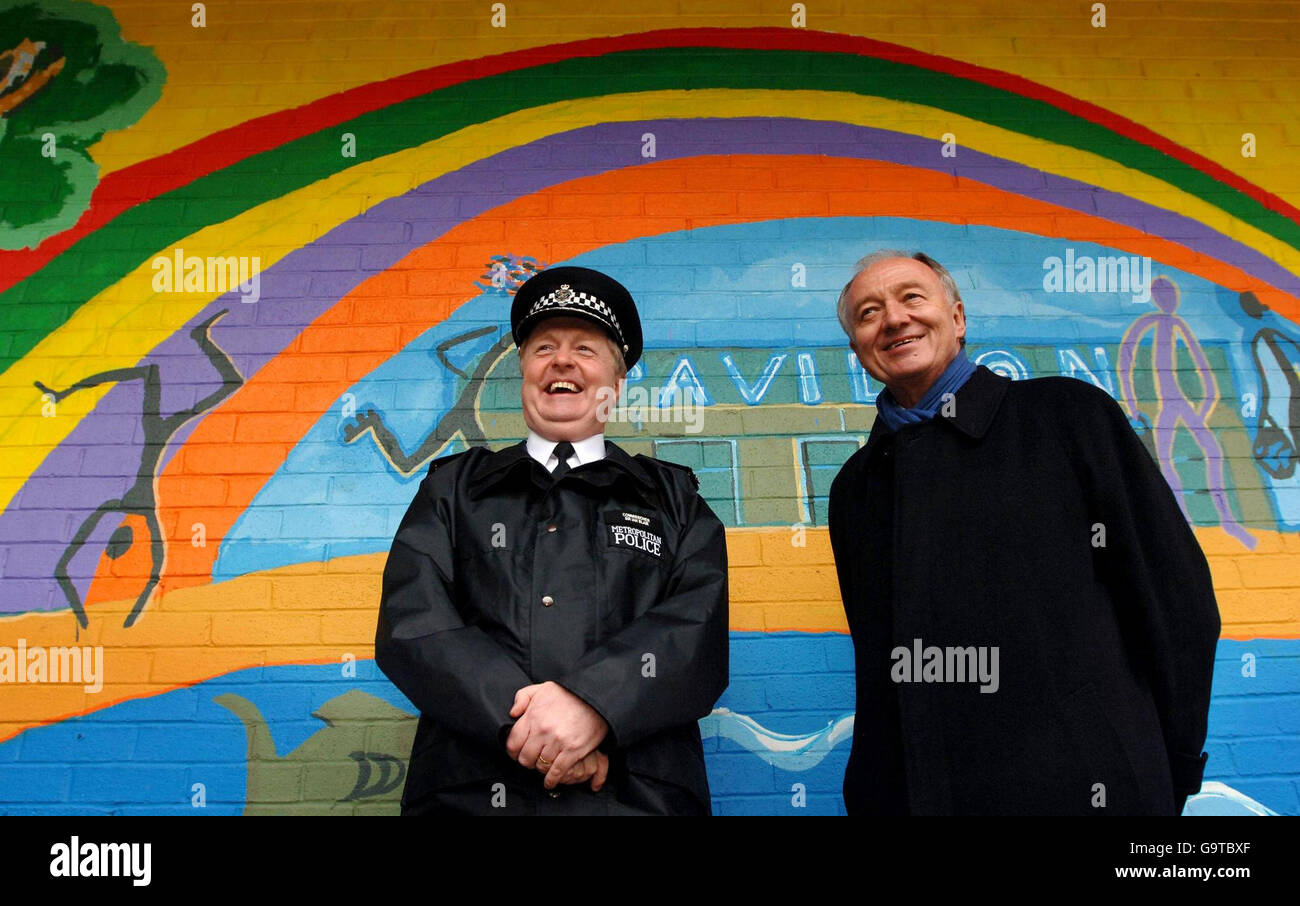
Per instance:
x=611, y=581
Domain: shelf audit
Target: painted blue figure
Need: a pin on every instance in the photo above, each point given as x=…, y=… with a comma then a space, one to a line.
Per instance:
x=1173, y=405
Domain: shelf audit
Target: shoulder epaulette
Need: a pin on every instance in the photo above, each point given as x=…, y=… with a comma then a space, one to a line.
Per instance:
x=695, y=481
x=443, y=460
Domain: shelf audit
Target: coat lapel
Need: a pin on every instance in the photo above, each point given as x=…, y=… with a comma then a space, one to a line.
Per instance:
x=496, y=467
x=977, y=403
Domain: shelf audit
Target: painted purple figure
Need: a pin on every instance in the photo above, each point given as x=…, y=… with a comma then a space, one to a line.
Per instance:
x=1172, y=404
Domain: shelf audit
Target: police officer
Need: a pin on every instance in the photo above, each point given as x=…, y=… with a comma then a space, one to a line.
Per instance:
x=557, y=610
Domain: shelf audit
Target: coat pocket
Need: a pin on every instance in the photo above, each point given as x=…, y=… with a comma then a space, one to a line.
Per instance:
x=1104, y=773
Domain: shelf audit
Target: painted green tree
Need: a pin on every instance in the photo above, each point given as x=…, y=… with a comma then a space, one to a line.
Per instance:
x=66, y=78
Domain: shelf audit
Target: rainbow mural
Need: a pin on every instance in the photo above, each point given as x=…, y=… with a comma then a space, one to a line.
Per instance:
x=201, y=479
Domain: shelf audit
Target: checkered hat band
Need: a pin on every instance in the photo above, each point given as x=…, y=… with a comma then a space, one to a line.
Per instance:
x=577, y=301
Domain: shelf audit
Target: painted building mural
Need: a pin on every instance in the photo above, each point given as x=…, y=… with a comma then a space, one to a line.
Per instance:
x=270, y=281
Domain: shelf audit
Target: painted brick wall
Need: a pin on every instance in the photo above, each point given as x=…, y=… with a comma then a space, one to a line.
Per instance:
x=202, y=479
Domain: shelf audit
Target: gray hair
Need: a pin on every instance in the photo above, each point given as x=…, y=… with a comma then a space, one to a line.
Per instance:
x=945, y=279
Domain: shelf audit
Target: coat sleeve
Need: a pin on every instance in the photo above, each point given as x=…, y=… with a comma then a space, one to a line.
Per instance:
x=835, y=520
x=454, y=673
x=1161, y=584
x=686, y=631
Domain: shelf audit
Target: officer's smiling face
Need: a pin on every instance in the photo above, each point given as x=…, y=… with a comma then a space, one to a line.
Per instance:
x=565, y=362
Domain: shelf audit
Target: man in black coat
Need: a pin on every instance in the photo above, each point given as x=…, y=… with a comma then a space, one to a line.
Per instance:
x=557, y=610
x=1033, y=621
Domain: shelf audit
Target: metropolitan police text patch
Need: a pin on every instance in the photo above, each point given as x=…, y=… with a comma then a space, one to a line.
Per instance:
x=634, y=531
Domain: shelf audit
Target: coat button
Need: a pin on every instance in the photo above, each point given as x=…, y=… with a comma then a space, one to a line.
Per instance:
x=554, y=794
x=551, y=528
x=547, y=601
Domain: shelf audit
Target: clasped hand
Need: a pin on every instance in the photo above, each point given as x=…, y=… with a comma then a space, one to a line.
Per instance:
x=557, y=733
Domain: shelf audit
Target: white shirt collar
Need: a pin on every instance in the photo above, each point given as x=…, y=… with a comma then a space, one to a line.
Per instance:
x=587, y=450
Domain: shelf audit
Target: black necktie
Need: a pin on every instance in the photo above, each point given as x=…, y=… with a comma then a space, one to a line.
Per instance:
x=563, y=450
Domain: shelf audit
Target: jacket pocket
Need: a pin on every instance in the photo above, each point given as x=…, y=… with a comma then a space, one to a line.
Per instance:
x=440, y=759
x=638, y=532
x=675, y=757
x=633, y=559
x=483, y=585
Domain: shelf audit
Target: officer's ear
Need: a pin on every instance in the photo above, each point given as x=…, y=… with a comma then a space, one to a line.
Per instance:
x=620, y=366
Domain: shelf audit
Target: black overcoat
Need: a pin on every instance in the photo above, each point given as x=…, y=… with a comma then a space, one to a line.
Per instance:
x=1029, y=517
x=611, y=581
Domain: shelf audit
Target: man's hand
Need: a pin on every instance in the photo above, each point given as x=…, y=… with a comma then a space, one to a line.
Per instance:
x=595, y=767
x=555, y=730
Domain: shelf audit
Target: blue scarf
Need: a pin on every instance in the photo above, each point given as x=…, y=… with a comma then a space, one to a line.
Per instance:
x=957, y=373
